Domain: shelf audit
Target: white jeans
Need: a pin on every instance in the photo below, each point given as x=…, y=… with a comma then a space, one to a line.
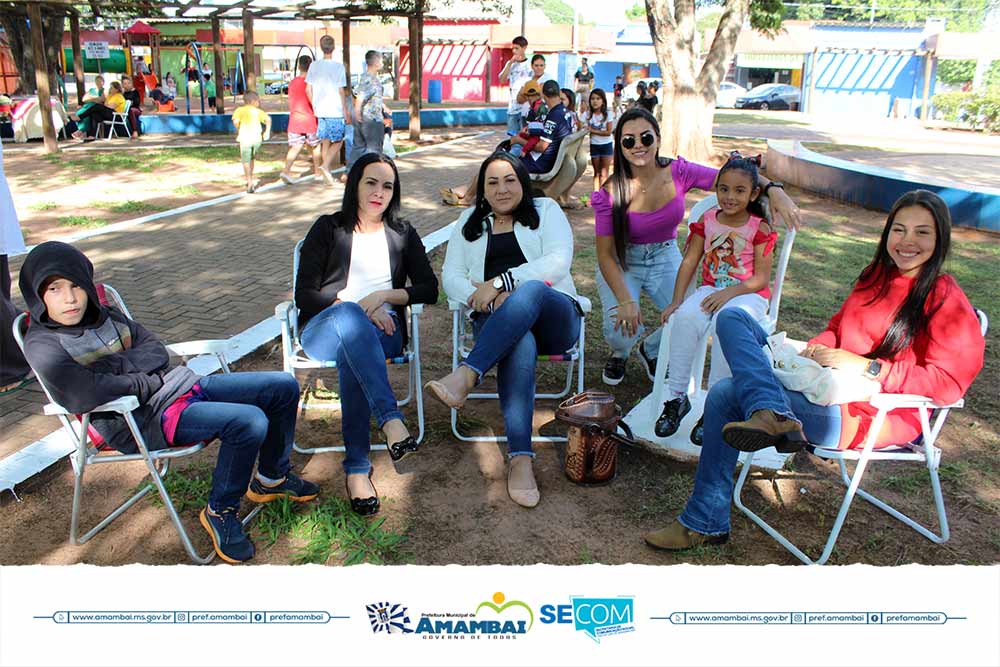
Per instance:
x=691, y=325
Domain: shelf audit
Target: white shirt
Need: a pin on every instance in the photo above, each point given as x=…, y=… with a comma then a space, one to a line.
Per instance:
x=327, y=77
x=11, y=240
x=599, y=122
x=520, y=73
x=370, y=270
x=548, y=249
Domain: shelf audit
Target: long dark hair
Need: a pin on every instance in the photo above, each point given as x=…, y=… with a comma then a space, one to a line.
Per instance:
x=912, y=317
x=750, y=165
x=620, y=178
x=604, y=102
x=570, y=99
x=525, y=212
x=348, y=217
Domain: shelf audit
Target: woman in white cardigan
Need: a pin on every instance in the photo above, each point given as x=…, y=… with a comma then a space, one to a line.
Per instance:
x=509, y=259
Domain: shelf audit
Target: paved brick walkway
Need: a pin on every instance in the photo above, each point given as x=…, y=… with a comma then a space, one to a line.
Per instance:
x=214, y=272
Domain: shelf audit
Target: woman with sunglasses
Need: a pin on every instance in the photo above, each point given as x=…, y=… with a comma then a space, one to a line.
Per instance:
x=637, y=213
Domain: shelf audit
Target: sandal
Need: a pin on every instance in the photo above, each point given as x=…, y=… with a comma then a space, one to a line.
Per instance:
x=449, y=197
x=20, y=384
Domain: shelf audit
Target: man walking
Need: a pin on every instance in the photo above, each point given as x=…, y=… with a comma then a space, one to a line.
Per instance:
x=301, y=124
x=326, y=87
x=369, y=128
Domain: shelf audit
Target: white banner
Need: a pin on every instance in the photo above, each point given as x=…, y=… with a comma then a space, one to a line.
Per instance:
x=95, y=50
x=586, y=615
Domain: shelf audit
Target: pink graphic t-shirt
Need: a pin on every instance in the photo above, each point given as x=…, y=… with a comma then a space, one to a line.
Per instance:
x=729, y=251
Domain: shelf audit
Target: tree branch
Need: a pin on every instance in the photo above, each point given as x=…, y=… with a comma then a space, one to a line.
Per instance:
x=723, y=45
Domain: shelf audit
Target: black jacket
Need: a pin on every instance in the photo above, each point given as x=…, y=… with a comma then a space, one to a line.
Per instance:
x=104, y=357
x=325, y=260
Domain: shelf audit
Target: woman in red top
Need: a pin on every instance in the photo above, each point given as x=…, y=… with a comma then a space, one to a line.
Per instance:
x=905, y=324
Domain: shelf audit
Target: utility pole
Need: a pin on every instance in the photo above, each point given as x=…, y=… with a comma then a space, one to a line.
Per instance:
x=524, y=12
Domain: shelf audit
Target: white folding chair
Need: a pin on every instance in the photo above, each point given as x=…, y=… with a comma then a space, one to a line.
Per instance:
x=119, y=120
x=294, y=357
x=696, y=391
x=157, y=462
x=462, y=341
x=923, y=450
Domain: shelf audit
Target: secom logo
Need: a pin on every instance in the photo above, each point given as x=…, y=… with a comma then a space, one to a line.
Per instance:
x=597, y=617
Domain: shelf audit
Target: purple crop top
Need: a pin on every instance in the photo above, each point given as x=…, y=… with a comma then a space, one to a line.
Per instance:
x=659, y=225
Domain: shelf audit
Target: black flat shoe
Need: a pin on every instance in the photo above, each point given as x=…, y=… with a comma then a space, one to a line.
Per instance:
x=670, y=419
x=403, y=448
x=698, y=432
x=364, y=506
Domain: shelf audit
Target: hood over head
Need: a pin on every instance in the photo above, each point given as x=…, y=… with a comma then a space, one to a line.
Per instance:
x=54, y=258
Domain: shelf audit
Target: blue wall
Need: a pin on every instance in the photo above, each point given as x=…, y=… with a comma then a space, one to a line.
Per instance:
x=865, y=84
x=176, y=123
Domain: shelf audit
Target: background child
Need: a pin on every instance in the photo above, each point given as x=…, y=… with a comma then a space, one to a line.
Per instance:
x=618, y=90
x=569, y=101
x=248, y=120
x=87, y=354
x=737, y=245
x=601, y=123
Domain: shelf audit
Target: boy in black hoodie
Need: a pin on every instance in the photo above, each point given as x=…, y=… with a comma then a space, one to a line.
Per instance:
x=88, y=354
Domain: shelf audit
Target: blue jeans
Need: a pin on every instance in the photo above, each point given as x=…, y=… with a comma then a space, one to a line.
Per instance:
x=535, y=319
x=652, y=268
x=343, y=333
x=248, y=413
x=515, y=121
x=752, y=387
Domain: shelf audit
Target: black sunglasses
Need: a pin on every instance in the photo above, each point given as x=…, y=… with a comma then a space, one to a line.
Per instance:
x=647, y=138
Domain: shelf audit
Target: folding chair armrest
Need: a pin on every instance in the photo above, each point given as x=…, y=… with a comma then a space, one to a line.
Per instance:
x=584, y=303
x=193, y=348
x=456, y=305
x=416, y=308
x=895, y=401
x=122, y=405
x=282, y=310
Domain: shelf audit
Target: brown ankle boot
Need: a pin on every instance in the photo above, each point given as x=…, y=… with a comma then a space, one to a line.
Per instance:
x=675, y=537
x=765, y=429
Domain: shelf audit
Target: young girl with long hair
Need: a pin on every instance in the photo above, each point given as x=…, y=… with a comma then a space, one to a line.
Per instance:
x=737, y=245
x=600, y=122
x=906, y=325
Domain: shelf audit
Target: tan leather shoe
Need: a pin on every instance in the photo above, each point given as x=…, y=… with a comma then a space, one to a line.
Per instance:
x=675, y=537
x=765, y=429
x=526, y=493
x=441, y=393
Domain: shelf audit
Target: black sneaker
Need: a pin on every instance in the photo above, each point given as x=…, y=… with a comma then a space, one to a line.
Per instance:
x=230, y=542
x=698, y=432
x=614, y=370
x=649, y=363
x=293, y=487
x=670, y=419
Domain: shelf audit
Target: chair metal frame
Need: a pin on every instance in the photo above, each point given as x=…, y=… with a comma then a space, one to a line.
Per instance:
x=460, y=349
x=923, y=450
x=157, y=462
x=294, y=357
x=118, y=119
x=769, y=323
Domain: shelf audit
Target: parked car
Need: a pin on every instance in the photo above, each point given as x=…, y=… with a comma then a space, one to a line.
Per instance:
x=276, y=87
x=769, y=96
x=728, y=92
x=629, y=92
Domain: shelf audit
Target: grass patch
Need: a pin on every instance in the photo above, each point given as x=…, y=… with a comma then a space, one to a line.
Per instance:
x=746, y=118
x=187, y=190
x=131, y=206
x=188, y=488
x=81, y=221
x=330, y=532
x=42, y=206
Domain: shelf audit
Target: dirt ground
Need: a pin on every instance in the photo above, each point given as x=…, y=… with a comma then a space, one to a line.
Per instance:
x=450, y=502
x=86, y=187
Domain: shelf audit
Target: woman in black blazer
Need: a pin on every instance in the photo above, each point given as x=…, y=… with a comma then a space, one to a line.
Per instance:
x=351, y=293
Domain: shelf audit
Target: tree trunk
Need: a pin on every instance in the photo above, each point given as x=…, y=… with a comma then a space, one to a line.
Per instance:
x=15, y=24
x=687, y=98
